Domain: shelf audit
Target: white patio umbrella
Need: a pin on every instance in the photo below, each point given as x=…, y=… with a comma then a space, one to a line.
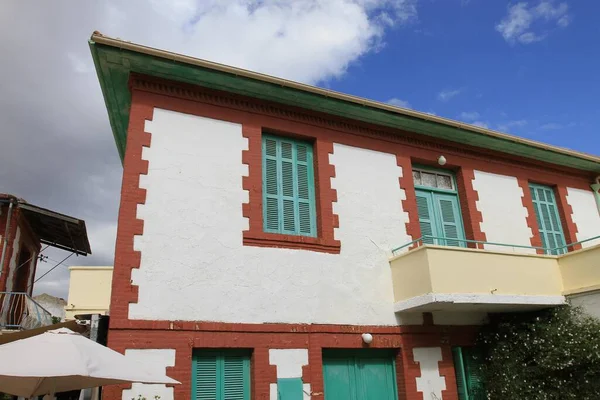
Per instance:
x=62, y=360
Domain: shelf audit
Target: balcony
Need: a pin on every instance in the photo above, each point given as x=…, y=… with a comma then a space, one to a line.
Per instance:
x=18, y=311
x=443, y=278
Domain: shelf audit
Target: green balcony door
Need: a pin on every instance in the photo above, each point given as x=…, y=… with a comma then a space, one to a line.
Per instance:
x=359, y=375
x=548, y=219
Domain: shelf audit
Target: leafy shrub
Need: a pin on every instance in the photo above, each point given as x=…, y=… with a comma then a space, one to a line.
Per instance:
x=546, y=355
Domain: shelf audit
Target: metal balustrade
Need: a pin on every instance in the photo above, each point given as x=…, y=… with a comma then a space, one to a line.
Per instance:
x=18, y=311
x=480, y=244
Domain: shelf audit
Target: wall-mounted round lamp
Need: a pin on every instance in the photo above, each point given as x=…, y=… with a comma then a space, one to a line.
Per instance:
x=442, y=160
x=367, y=338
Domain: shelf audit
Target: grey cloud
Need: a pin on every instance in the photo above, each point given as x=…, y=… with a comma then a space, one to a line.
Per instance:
x=57, y=149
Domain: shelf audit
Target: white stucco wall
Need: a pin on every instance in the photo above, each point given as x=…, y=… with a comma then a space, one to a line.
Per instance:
x=589, y=302
x=585, y=215
x=156, y=361
x=430, y=383
x=504, y=216
x=193, y=264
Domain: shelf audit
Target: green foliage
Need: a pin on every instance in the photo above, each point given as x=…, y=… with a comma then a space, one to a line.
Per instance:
x=55, y=320
x=547, y=355
x=140, y=397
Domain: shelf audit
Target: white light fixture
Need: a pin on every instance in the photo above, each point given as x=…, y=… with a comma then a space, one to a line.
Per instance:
x=442, y=160
x=367, y=338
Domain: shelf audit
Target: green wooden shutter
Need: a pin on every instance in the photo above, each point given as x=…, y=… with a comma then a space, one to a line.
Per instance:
x=204, y=377
x=221, y=375
x=459, y=370
x=288, y=187
x=473, y=362
x=236, y=377
x=546, y=213
x=448, y=218
x=270, y=185
x=467, y=367
x=426, y=215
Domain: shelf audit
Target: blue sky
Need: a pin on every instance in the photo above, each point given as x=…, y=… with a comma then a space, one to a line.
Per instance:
x=546, y=90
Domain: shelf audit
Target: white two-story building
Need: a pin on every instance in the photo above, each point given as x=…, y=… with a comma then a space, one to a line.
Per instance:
x=282, y=241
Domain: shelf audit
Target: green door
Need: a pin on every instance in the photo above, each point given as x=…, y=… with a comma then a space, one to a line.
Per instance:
x=546, y=213
x=359, y=375
x=439, y=216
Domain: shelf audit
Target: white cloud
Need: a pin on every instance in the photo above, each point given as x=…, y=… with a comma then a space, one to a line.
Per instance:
x=448, y=94
x=564, y=21
x=527, y=23
x=399, y=103
x=530, y=37
x=305, y=40
x=505, y=127
x=469, y=115
x=481, y=124
x=551, y=126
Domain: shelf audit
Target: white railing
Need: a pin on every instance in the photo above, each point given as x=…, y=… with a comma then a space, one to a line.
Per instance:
x=19, y=311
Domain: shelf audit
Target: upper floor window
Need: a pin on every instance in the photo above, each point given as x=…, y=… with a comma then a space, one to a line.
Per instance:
x=438, y=208
x=433, y=179
x=288, y=186
x=548, y=220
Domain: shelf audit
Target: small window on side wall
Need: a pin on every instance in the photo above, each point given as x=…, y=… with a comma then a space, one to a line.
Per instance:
x=288, y=186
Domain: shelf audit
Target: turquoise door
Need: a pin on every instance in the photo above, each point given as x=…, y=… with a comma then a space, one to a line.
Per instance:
x=359, y=375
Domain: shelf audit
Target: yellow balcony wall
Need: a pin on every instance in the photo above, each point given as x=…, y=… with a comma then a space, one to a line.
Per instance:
x=436, y=278
x=580, y=270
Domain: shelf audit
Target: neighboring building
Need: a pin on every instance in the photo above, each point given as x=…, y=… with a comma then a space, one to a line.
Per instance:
x=24, y=229
x=281, y=241
x=54, y=305
x=89, y=291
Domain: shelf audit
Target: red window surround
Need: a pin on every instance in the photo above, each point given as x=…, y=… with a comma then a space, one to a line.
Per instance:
x=325, y=196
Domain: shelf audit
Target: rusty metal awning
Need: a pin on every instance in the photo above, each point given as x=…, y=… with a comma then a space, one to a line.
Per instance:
x=57, y=230
x=52, y=228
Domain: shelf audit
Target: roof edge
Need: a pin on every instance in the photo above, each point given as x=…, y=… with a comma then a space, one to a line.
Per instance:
x=99, y=38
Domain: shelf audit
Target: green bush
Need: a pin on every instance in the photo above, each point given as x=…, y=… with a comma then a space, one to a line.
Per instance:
x=547, y=355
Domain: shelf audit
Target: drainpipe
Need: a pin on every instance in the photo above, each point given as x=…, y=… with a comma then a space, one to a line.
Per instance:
x=596, y=189
x=4, y=238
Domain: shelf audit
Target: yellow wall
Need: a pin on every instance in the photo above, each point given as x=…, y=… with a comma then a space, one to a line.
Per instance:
x=410, y=274
x=89, y=291
x=480, y=271
x=453, y=270
x=438, y=269
x=581, y=270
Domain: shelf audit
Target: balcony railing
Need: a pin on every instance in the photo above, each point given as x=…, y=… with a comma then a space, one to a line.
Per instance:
x=479, y=244
x=18, y=311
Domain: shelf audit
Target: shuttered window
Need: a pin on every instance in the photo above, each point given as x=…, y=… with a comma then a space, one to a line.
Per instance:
x=548, y=220
x=438, y=208
x=288, y=187
x=467, y=367
x=221, y=375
